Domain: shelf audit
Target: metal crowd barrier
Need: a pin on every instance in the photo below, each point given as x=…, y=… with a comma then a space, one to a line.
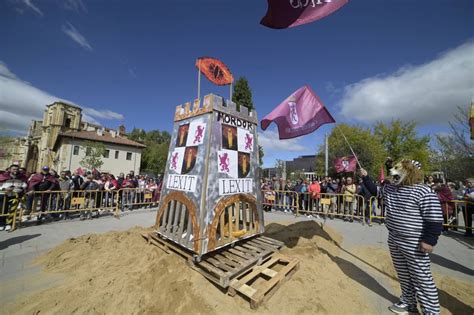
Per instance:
x=351, y=207
x=280, y=199
x=66, y=204
x=453, y=212
x=333, y=205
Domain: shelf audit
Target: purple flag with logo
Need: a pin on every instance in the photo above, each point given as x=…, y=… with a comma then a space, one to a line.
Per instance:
x=290, y=13
x=301, y=113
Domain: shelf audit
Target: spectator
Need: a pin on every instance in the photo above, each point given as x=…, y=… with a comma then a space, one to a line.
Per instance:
x=110, y=186
x=12, y=185
x=314, y=191
x=289, y=188
x=349, y=190
x=41, y=182
x=90, y=186
x=65, y=186
x=445, y=197
x=469, y=198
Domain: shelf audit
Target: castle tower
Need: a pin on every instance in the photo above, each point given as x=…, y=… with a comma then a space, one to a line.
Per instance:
x=211, y=191
x=58, y=117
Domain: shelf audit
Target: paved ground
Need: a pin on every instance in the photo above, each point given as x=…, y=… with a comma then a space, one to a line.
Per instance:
x=453, y=257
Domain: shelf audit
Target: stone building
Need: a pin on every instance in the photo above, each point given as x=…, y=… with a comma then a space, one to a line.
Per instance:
x=58, y=140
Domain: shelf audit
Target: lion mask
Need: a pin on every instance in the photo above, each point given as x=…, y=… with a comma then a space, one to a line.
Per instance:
x=406, y=173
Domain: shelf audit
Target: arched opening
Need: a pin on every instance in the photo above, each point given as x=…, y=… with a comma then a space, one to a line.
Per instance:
x=235, y=217
x=176, y=220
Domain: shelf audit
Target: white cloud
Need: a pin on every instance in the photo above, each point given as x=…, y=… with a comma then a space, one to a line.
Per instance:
x=269, y=141
x=32, y=6
x=20, y=102
x=102, y=114
x=74, y=34
x=427, y=93
x=77, y=6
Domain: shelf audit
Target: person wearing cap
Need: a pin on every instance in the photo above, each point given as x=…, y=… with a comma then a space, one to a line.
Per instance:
x=42, y=181
x=12, y=186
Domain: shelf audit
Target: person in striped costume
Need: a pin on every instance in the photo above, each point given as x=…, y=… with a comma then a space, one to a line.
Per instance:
x=414, y=221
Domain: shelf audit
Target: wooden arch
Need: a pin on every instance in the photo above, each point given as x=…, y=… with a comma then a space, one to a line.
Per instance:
x=221, y=206
x=181, y=197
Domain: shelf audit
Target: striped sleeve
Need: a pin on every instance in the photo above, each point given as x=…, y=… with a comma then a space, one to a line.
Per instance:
x=430, y=207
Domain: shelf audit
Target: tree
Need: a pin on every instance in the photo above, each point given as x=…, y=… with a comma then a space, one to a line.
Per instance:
x=400, y=141
x=368, y=148
x=94, y=151
x=261, y=154
x=454, y=153
x=242, y=95
x=155, y=154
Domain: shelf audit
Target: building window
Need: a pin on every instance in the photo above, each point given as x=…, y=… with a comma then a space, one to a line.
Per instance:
x=116, y=154
x=129, y=156
x=75, y=150
x=106, y=153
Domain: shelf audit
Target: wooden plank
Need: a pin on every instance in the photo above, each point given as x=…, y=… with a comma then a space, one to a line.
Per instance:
x=228, y=261
x=211, y=268
x=179, y=231
x=244, y=214
x=229, y=221
x=189, y=231
x=170, y=218
x=237, y=215
x=247, y=290
x=263, y=243
x=258, y=243
x=177, y=207
x=281, y=274
x=221, y=265
x=269, y=272
x=271, y=240
x=221, y=226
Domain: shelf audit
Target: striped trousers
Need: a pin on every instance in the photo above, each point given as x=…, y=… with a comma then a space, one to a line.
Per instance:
x=414, y=273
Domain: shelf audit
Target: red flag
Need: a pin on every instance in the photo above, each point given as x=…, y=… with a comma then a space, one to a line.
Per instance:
x=215, y=70
x=381, y=174
x=345, y=164
x=290, y=13
x=300, y=113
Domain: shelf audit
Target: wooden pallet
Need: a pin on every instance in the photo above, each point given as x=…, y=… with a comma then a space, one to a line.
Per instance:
x=224, y=264
x=262, y=281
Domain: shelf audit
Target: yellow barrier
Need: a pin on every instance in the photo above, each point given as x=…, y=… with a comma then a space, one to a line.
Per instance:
x=451, y=211
x=9, y=204
x=349, y=207
x=133, y=197
x=281, y=199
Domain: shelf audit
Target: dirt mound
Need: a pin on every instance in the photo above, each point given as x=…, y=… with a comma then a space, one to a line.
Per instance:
x=119, y=273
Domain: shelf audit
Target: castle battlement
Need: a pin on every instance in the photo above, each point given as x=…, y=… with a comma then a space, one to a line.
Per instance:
x=212, y=102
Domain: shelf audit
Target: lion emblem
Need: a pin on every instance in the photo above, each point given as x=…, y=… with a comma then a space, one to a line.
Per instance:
x=224, y=162
x=174, y=161
x=248, y=142
x=198, y=134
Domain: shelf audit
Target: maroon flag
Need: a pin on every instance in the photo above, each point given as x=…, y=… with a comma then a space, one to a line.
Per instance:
x=301, y=113
x=290, y=13
x=381, y=174
x=345, y=164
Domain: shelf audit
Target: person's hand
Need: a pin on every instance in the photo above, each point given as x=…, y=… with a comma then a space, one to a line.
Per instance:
x=363, y=172
x=30, y=192
x=425, y=248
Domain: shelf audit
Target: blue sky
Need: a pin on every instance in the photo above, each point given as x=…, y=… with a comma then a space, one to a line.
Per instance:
x=133, y=61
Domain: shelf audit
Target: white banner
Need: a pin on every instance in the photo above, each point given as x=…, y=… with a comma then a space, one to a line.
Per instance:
x=181, y=182
x=176, y=159
x=228, y=162
x=245, y=140
x=229, y=186
x=196, y=134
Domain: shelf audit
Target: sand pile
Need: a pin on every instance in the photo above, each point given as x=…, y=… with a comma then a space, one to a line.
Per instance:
x=119, y=273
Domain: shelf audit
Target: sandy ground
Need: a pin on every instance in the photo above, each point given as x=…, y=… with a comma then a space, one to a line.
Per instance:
x=118, y=273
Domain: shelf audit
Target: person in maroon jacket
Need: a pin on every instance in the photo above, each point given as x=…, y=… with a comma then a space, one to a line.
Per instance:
x=12, y=185
x=42, y=181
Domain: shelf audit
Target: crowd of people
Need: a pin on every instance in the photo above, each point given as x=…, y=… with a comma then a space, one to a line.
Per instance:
x=48, y=191
x=349, y=198
x=346, y=197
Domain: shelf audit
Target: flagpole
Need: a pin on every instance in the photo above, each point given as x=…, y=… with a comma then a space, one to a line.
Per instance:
x=342, y=133
x=326, y=164
x=230, y=91
x=199, y=79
